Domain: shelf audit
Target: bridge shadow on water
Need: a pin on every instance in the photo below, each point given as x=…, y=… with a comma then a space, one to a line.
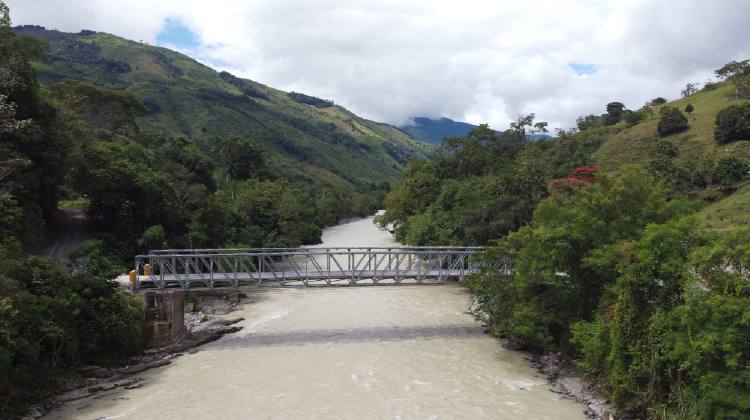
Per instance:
x=348, y=335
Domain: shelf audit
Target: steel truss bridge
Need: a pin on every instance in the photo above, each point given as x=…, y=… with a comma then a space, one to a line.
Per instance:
x=209, y=269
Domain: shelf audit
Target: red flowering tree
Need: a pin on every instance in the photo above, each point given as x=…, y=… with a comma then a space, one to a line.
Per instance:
x=582, y=176
x=586, y=174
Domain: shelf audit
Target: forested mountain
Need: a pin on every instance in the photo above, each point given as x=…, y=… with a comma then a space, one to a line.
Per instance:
x=434, y=131
x=306, y=138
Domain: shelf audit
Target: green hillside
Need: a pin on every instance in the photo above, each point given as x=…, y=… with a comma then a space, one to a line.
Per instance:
x=611, y=148
x=631, y=145
x=188, y=98
x=732, y=210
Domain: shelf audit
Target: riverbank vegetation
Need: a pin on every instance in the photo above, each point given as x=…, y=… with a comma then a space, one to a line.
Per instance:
x=73, y=142
x=618, y=276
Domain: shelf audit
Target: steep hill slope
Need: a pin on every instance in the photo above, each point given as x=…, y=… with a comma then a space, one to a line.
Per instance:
x=188, y=98
x=610, y=148
x=631, y=145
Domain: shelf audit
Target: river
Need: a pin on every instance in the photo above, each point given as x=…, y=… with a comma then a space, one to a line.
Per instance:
x=405, y=352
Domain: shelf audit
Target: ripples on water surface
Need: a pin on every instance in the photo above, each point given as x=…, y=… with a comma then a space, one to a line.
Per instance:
x=378, y=352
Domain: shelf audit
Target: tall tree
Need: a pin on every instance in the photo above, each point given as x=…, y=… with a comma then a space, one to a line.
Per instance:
x=689, y=90
x=242, y=157
x=614, y=113
x=733, y=71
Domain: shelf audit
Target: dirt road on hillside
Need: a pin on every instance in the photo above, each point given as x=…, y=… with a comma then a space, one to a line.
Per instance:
x=73, y=232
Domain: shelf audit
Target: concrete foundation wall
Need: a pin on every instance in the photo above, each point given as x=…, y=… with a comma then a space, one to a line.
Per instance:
x=166, y=311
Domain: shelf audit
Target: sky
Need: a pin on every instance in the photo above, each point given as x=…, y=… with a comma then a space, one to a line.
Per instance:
x=473, y=61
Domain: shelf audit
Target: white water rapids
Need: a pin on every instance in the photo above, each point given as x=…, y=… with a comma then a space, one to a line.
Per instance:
x=404, y=352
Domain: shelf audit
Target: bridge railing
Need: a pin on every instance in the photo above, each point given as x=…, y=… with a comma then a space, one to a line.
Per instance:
x=235, y=268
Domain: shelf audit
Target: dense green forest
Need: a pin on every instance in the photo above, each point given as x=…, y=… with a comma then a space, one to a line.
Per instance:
x=629, y=238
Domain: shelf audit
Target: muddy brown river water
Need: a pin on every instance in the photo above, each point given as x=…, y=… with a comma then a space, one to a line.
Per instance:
x=404, y=352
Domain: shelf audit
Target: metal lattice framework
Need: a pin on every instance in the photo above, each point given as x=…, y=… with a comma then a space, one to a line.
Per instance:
x=304, y=267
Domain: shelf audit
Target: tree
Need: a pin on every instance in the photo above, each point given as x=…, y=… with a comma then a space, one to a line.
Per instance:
x=520, y=134
x=689, y=90
x=733, y=71
x=633, y=117
x=242, y=157
x=672, y=121
x=554, y=283
x=522, y=124
x=658, y=101
x=662, y=156
x=586, y=123
x=648, y=109
x=729, y=171
x=733, y=123
x=540, y=127
x=579, y=178
x=105, y=111
x=742, y=85
x=614, y=113
x=689, y=108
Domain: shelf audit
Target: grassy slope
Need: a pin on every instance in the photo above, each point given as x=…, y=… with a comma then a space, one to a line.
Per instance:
x=290, y=131
x=631, y=145
x=733, y=210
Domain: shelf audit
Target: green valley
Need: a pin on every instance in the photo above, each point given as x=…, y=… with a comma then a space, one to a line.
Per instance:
x=187, y=98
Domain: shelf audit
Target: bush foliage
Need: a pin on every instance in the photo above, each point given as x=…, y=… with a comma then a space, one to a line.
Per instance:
x=729, y=171
x=672, y=121
x=733, y=123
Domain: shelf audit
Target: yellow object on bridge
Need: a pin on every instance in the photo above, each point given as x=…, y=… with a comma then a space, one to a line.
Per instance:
x=132, y=276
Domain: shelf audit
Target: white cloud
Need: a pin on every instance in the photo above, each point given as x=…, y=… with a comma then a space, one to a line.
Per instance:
x=470, y=60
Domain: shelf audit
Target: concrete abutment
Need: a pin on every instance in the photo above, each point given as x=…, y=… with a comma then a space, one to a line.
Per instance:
x=165, y=312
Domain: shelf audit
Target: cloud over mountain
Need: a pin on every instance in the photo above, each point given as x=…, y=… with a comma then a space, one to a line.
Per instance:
x=473, y=61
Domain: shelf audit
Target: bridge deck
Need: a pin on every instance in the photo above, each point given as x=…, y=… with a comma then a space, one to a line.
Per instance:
x=291, y=277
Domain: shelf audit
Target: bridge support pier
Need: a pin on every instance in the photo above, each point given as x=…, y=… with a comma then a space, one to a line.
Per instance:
x=165, y=313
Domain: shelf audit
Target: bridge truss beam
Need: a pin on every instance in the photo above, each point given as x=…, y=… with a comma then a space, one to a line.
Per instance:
x=304, y=267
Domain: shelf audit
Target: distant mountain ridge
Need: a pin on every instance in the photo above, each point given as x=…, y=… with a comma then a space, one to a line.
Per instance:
x=306, y=138
x=434, y=131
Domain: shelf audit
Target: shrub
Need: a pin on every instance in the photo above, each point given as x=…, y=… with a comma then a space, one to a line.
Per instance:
x=633, y=117
x=733, y=123
x=671, y=122
x=729, y=171
x=662, y=159
x=689, y=108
